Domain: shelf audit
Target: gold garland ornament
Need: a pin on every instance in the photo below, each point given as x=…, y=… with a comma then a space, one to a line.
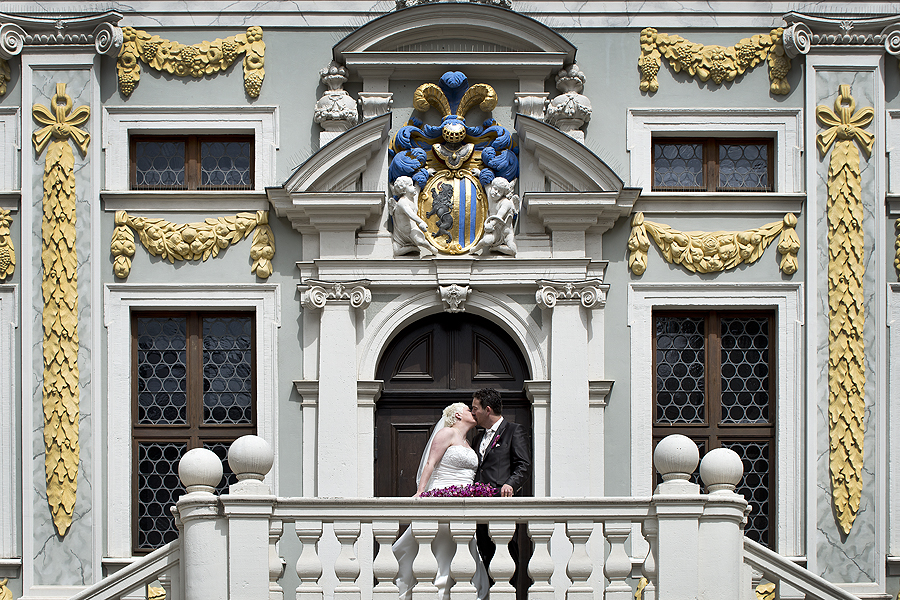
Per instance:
x=195, y=60
x=193, y=241
x=7, y=252
x=703, y=252
x=59, y=285
x=897, y=246
x=714, y=62
x=846, y=310
x=765, y=591
x=5, y=75
x=5, y=592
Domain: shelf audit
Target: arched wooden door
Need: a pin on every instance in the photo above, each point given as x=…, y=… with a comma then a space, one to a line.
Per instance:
x=434, y=362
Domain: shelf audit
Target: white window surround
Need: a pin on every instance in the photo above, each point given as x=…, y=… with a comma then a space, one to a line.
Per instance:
x=119, y=301
x=894, y=423
x=786, y=300
x=9, y=499
x=785, y=125
x=120, y=121
x=9, y=148
x=893, y=161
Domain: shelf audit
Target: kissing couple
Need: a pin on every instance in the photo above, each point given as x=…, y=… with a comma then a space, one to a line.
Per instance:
x=450, y=466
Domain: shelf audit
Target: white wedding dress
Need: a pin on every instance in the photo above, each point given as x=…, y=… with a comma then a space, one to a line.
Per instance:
x=457, y=467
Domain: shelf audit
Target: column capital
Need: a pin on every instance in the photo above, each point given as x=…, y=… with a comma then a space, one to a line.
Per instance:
x=591, y=293
x=99, y=29
x=316, y=294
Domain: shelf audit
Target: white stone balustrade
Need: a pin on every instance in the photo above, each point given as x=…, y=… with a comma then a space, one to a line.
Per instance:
x=695, y=539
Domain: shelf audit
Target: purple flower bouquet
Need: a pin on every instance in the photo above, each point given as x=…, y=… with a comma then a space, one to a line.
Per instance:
x=473, y=490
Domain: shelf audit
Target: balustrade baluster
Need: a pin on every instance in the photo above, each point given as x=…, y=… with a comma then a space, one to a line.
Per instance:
x=650, y=529
x=276, y=565
x=541, y=565
x=425, y=566
x=618, y=565
x=309, y=567
x=580, y=567
x=385, y=566
x=346, y=565
x=502, y=565
x=462, y=567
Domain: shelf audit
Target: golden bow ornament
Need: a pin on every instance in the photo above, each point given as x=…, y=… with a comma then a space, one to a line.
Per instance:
x=62, y=125
x=842, y=125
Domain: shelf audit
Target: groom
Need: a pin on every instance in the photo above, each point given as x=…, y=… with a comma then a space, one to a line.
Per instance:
x=503, y=460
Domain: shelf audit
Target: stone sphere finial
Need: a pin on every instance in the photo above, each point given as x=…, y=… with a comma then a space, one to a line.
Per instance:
x=250, y=457
x=721, y=470
x=200, y=470
x=676, y=457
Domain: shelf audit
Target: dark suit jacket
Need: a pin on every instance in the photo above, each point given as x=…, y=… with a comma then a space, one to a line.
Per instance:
x=507, y=459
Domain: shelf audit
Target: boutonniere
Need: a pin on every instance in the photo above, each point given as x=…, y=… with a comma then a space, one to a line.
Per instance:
x=495, y=441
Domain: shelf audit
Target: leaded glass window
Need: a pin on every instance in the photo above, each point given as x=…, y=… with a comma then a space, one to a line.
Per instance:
x=192, y=162
x=714, y=382
x=194, y=386
x=709, y=165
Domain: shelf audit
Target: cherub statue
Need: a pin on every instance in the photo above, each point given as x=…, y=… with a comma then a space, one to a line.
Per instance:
x=409, y=227
x=499, y=232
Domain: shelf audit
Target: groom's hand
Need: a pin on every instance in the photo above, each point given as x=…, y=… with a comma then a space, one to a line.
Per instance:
x=506, y=491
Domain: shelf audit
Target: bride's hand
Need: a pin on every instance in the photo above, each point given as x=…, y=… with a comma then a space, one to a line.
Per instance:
x=417, y=495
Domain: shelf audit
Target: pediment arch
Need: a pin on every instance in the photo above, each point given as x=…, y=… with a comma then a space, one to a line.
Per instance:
x=407, y=42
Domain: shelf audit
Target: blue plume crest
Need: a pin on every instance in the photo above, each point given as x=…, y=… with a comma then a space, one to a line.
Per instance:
x=454, y=84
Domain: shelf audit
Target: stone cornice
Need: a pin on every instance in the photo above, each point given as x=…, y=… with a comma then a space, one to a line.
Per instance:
x=571, y=211
x=99, y=30
x=806, y=32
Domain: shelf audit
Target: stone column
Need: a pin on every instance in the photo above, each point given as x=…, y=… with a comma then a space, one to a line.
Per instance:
x=569, y=431
x=337, y=471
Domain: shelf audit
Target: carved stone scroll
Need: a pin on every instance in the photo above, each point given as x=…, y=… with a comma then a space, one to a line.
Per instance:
x=711, y=252
x=713, y=62
x=193, y=241
x=7, y=251
x=318, y=293
x=591, y=293
x=847, y=316
x=59, y=286
x=195, y=60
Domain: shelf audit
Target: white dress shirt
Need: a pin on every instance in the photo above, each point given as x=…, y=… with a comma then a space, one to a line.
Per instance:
x=489, y=437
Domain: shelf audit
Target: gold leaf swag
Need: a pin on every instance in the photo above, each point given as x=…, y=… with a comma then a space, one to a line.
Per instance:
x=59, y=285
x=194, y=60
x=846, y=309
x=7, y=252
x=897, y=246
x=702, y=252
x=193, y=241
x=714, y=62
x=5, y=592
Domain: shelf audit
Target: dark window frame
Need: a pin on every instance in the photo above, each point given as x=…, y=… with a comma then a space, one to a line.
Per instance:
x=711, y=432
x=192, y=166
x=711, y=162
x=194, y=432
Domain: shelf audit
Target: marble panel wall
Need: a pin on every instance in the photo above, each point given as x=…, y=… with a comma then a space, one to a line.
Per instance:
x=62, y=560
x=851, y=558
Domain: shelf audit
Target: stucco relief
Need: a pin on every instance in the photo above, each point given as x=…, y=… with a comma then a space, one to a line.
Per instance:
x=718, y=63
x=336, y=109
x=194, y=60
x=59, y=285
x=7, y=251
x=193, y=241
x=847, y=317
x=712, y=252
x=569, y=111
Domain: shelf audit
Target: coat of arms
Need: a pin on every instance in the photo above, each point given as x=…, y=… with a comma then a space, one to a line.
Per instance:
x=439, y=174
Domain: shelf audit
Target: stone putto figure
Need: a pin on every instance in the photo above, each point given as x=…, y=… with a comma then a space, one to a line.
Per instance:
x=499, y=227
x=409, y=227
x=571, y=109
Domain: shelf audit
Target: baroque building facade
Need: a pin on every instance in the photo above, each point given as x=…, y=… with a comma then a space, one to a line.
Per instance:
x=320, y=223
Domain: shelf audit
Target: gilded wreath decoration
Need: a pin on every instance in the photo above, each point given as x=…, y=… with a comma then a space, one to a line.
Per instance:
x=194, y=60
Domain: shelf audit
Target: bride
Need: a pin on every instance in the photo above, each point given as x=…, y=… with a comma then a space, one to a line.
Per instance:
x=448, y=460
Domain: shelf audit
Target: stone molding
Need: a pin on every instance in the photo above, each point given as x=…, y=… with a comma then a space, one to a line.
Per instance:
x=806, y=32
x=316, y=294
x=454, y=297
x=590, y=293
x=9, y=436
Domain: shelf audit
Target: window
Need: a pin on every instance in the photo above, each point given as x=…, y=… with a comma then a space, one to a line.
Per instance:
x=192, y=162
x=711, y=164
x=714, y=380
x=194, y=386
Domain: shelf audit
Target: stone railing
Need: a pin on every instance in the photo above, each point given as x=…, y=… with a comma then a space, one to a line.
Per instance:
x=582, y=546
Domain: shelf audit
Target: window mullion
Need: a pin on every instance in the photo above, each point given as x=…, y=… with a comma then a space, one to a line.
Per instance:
x=195, y=379
x=714, y=378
